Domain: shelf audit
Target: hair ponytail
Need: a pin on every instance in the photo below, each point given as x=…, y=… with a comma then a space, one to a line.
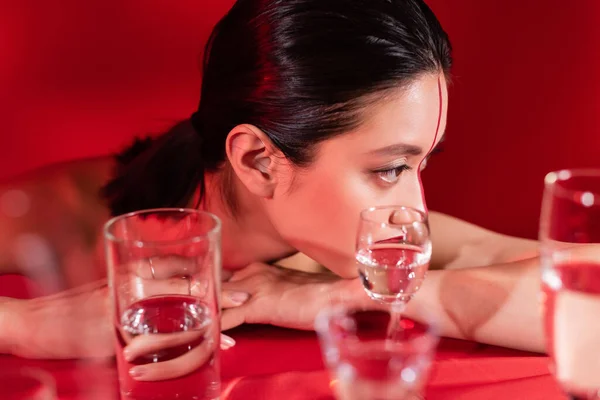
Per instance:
x=155, y=173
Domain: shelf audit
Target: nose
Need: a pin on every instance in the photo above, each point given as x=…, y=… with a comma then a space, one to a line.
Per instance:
x=422, y=202
x=413, y=195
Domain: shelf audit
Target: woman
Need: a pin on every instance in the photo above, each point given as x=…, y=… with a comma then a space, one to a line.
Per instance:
x=310, y=111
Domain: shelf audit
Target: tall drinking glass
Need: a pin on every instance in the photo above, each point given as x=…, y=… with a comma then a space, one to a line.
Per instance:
x=393, y=250
x=164, y=278
x=570, y=251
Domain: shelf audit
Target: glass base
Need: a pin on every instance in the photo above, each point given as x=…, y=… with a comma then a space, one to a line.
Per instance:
x=389, y=299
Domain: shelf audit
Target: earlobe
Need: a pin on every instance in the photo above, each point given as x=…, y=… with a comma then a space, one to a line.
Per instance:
x=251, y=155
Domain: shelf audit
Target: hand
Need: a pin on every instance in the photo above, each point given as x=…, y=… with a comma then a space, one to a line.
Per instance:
x=282, y=297
x=147, y=344
x=160, y=276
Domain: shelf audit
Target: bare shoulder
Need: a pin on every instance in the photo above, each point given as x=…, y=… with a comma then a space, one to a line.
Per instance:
x=59, y=211
x=70, y=188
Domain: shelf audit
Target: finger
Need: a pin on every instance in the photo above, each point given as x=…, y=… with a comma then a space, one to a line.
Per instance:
x=250, y=270
x=232, y=317
x=164, y=267
x=176, y=367
x=148, y=344
x=227, y=342
x=240, y=285
x=148, y=288
x=168, y=275
x=231, y=298
x=234, y=294
x=161, y=275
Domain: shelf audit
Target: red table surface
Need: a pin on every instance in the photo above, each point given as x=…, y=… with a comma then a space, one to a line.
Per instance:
x=274, y=363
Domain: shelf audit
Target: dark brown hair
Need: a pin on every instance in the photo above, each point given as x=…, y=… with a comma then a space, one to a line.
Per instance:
x=296, y=69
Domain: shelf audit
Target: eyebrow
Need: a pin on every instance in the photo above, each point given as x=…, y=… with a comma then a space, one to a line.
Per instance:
x=398, y=149
x=403, y=149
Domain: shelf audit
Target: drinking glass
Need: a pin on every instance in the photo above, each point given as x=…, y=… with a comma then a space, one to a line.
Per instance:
x=368, y=365
x=570, y=252
x=393, y=250
x=164, y=278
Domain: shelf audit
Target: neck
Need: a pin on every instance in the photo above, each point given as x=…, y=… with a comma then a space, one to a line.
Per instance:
x=247, y=234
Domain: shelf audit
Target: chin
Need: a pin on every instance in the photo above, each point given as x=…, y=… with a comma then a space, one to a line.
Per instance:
x=341, y=263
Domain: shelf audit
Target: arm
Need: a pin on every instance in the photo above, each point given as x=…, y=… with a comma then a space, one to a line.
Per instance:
x=51, y=222
x=70, y=324
x=496, y=304
x=488, y=290
x=459, y=244
x=78, y=323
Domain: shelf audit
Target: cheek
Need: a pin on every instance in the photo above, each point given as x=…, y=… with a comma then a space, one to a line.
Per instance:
x=331, y=209
x=324, y=209
x=317, y=217
x=320, y=216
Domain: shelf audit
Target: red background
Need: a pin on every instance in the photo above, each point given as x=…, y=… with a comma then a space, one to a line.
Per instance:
x=81, y=78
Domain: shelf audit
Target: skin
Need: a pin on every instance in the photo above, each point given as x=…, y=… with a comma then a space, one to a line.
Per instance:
x=349, y=173
x=342, y=181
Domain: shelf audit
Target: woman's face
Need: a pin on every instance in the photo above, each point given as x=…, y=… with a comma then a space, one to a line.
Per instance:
x=377, y=164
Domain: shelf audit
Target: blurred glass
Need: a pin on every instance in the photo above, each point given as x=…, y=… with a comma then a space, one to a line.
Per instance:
x=570, y=250
x=164, y=275
x=365, y=363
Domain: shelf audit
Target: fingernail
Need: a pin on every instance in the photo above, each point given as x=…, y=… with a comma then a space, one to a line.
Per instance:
x=127, y=354
x=225, y=346
x=227, y=342
x=137, y=372
x=238, y=297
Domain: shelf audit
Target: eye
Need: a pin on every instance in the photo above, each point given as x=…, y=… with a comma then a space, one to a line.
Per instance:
x=391, y=175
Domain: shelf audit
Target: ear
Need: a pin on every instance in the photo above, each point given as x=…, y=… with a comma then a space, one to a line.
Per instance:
x=254, y=158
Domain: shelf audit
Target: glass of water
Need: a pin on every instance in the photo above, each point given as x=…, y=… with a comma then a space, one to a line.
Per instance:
x=365, y=363
x=570, y=249
x=164, y=274
x=393, y=250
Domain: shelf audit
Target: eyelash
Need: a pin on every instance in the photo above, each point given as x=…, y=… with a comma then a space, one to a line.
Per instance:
x=395, y=173
x=439, y=149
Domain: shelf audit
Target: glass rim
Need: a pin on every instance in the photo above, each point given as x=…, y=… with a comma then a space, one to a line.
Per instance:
x=587, y=198
x=367, y=211
x=214, y=230
x=326, y=314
